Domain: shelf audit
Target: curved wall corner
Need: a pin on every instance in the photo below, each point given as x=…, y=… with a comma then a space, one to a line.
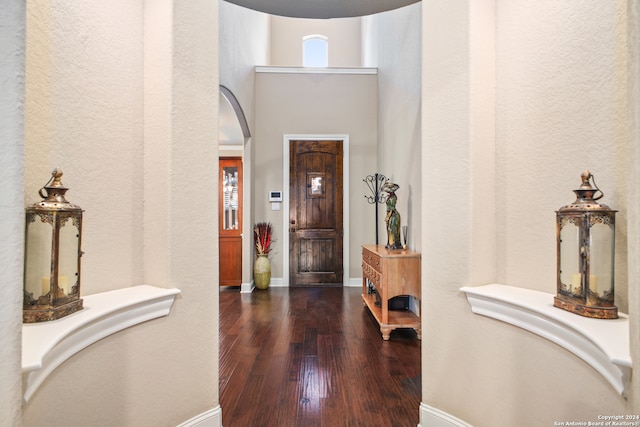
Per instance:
x=45, y=346
x=433, y=417
x=603, y=344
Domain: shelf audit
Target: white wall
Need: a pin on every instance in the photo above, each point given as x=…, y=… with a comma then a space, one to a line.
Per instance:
x=84, y=101
x=399, y=100
x=123, y=97
x=244, y=43
x=633, y=193
x=560, y=105
x=561, y=100
x=157, y=114
x=12, y=62
x=323, y=104
x=343, y=37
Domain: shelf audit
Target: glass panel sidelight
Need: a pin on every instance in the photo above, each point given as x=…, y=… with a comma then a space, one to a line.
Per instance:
x=230, y=217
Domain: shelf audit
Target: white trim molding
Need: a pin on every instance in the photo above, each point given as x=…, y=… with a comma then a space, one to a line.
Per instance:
x=45, y=346
x=247, y=288
x=354, y=282
x=315, y=70
x=210, y=418
x=602, y=343
x=433, y=417
x=278, y=282
x=345, y=198
x=275, y=282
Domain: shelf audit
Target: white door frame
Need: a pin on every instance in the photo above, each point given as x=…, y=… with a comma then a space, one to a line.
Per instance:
x=345, y=199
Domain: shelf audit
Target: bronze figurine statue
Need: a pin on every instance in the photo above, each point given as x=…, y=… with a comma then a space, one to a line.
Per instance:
x=392, y=220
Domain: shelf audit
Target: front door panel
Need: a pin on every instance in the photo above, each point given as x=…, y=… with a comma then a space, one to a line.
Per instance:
x=315, y=214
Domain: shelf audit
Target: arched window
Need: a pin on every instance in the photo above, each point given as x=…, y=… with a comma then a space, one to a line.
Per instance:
x=315, y=51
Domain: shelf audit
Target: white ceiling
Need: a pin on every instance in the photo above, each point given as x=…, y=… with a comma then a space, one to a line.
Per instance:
x=322, y=9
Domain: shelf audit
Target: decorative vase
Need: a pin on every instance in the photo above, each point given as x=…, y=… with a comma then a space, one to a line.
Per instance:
x=262, y=272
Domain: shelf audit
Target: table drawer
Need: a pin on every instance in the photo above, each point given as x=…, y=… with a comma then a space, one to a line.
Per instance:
x=372, y=259
x=370, y=273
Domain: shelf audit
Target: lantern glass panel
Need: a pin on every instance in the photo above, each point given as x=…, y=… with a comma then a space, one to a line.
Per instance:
x=38, y=257
x=601, y=262
x=570, y=258
x=68, y=256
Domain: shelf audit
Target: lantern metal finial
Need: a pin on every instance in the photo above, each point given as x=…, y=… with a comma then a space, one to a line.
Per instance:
x=54, y=190
x=586, y=192
x=585, y=249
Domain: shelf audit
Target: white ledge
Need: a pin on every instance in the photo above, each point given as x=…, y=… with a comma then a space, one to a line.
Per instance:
x=47, y=345
x=603, y=344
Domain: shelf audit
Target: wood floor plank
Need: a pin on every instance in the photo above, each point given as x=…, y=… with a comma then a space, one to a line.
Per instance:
x=313, y=357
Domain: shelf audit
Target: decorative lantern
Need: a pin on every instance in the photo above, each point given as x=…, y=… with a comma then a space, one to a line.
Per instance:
x=52, y=255
x=585, y=246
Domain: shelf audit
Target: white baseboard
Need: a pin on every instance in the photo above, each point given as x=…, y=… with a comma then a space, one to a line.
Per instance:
x=432, y=417
x=247, y=288
x=278, y=282
x=354, y=282
x=210, y=418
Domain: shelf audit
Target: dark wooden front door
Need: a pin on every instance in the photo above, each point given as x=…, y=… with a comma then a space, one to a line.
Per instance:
x=315, y=213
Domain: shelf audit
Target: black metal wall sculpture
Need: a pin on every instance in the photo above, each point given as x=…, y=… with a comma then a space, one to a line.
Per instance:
x=375, y=183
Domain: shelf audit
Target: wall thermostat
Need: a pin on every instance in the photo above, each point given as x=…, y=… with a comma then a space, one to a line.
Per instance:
x=275, y=196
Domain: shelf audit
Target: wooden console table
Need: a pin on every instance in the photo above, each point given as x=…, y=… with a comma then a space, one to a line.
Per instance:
x=387, y=273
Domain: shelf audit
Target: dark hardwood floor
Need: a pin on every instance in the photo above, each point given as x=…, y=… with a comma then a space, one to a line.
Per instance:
x=313, y=357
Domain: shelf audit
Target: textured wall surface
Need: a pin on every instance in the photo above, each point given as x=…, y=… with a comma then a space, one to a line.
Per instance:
x=84, y=114
x=633, y=194
x=134, y=129
x=561, y=109
x=12, y=62
x=399, y=100
x=244, y=43
x=561, y=105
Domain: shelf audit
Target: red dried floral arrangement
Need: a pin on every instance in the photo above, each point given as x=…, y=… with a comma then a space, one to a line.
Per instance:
x=262, y=232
